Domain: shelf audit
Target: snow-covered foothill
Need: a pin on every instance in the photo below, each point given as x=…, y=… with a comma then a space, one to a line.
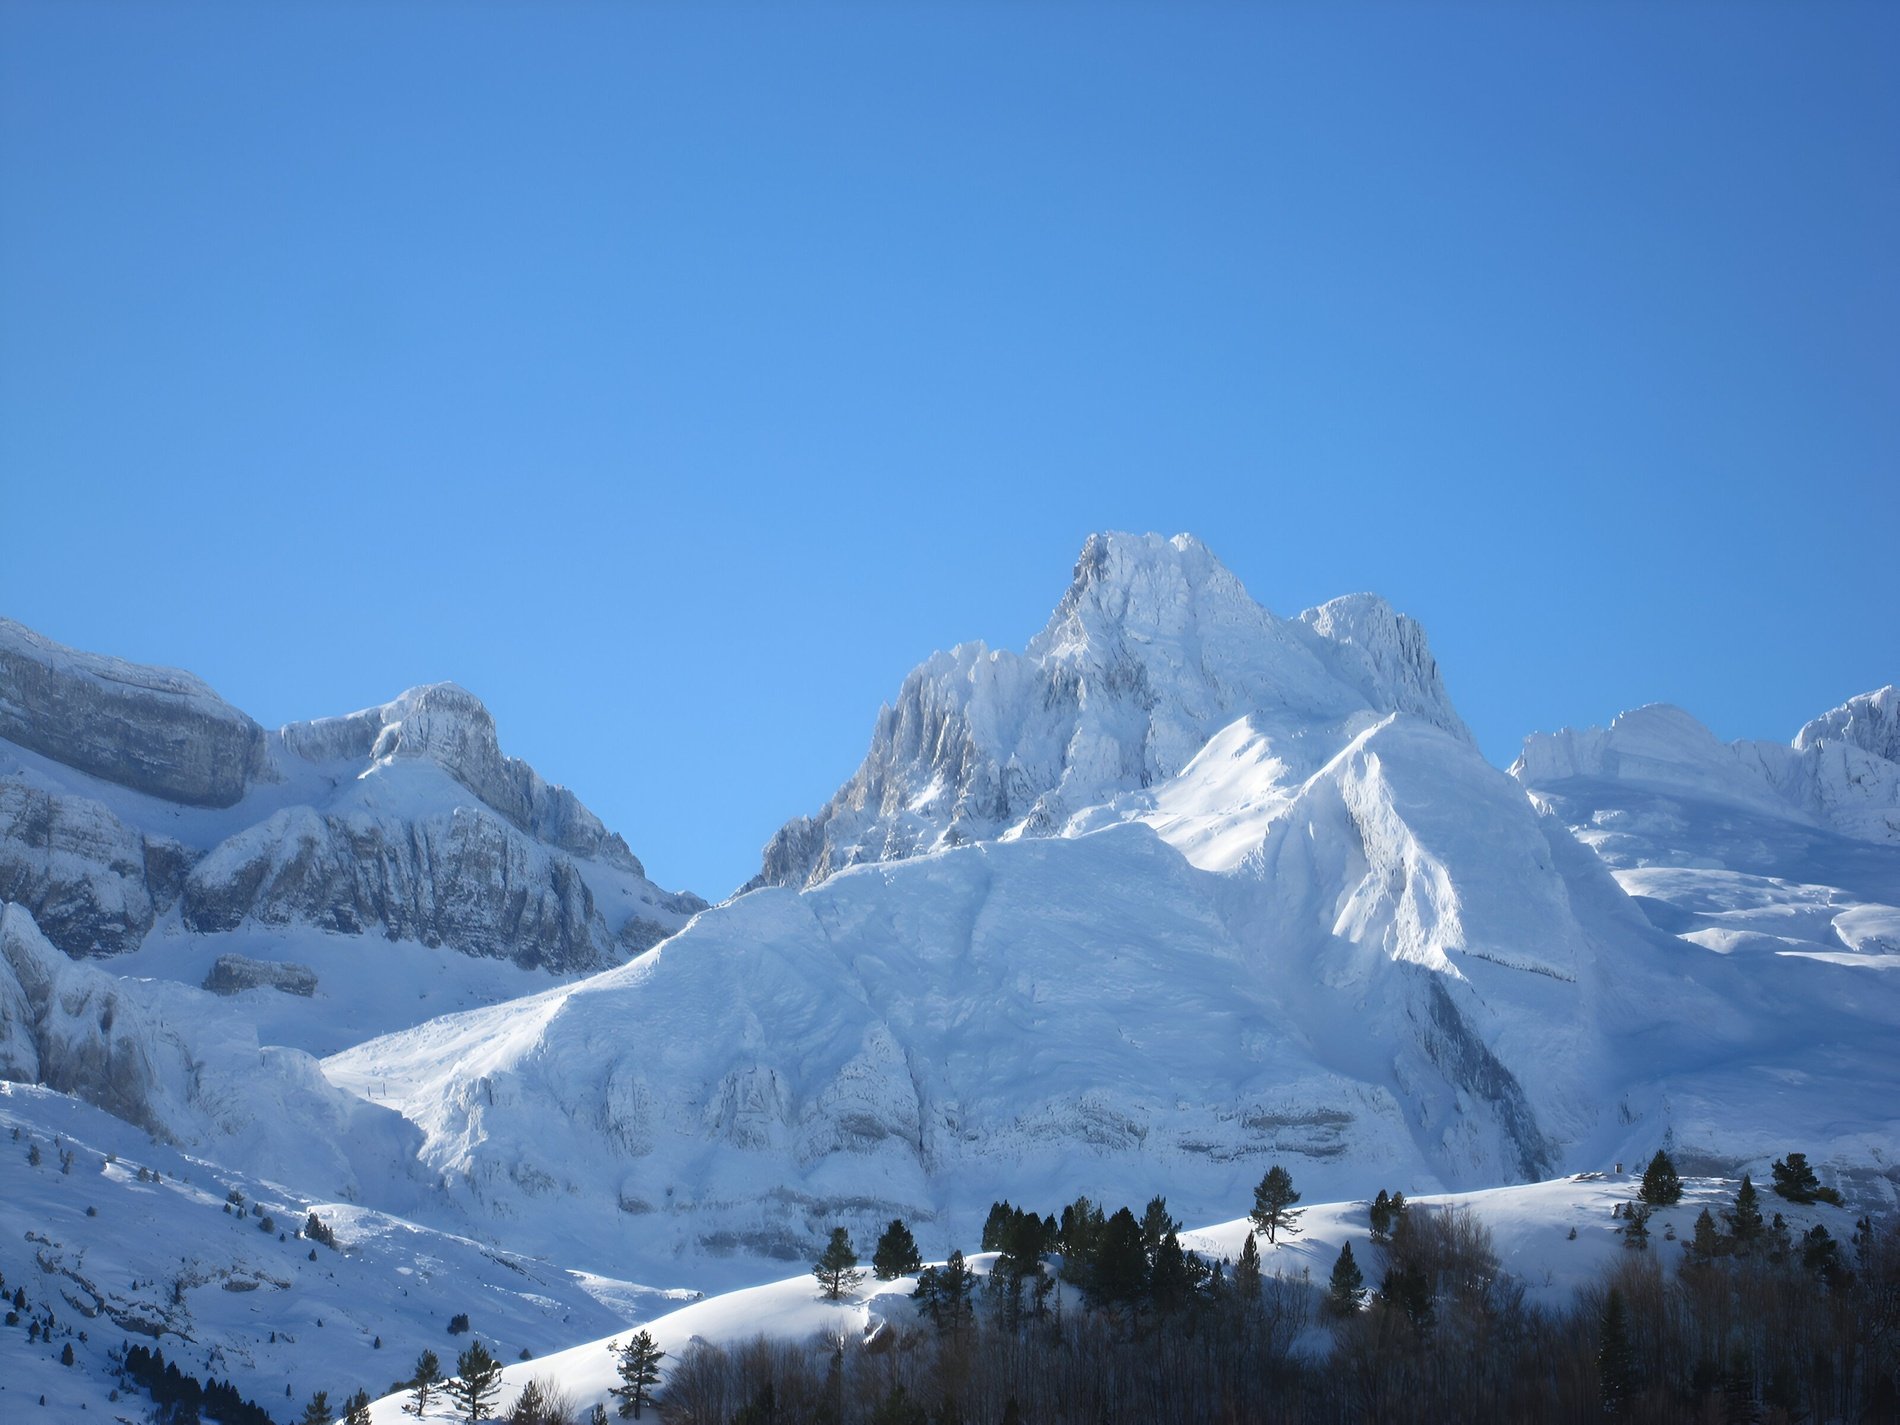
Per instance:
x=1553, y=1237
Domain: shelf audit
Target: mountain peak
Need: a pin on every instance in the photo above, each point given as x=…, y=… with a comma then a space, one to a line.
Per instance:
x=1154, y=647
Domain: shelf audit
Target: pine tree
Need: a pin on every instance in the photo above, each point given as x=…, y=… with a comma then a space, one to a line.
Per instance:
x=1820, y=1253
x=1795, y=1180
x=477, y=1382
x=1636, y=1226
x=423, y=1383
x=356, y=1409
x=1661, y=1185
x=993, y=1225
x=1173, y=1278
x=638, y=1365
x=1121, y=1276
x=317, y=1411
x=1273, y=1210
x=1348, y=1281
x=66, y=1355
x=1155, y=1225
x=1744, y=1219
x=1381, y=1217
x=837, y=1270
x=1247, y=1272
x=1615, y=1362
x=1708, y=1242
x=944, y=1294
x=896, y=1254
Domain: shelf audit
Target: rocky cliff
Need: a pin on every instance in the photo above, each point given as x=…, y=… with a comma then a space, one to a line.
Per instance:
x=130, y=794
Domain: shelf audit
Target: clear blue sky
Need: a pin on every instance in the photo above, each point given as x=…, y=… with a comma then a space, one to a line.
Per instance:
x=677, y=377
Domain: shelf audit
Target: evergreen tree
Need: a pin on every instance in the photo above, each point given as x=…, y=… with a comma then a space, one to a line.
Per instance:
x=1636, y=1226
x=896, y=1254
x=638, y=1365
x=1708, y=1242
x=477, y=1382
x=1780, y=1239
x=1661, y=1185
x=837, y=1270
x=1079, y=1234
x=1795, y=1180
x=317, y=1410
x=945, y=1294
x=994, y=1224
x=356, y=1409
x=1744, y=1219
x=1121, y=1276
x=66, y=1355
x=1380, y=1216
x=1247, y=1272
x=427, y=1377
x=1173, y=1279
x=1273, y=1210
x=1348, y=1281
x=1615, y=1361
x=1820, y=1253
x=1155, y=1225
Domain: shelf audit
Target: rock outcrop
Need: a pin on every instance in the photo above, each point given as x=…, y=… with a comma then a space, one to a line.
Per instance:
x=128, y=791
x=234, y=974
x=155, y=730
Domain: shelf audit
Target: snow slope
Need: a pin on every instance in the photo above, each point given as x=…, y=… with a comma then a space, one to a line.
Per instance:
x=162, y=1263
x=1530, y=1227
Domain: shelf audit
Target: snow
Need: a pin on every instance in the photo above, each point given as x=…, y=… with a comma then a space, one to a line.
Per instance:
x=1181, y=890
x=1530, y=1227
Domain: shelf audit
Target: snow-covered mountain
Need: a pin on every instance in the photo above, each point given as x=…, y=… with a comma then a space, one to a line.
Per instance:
x=1155, y=648
x=1183, y=889
x=137, y=809
x=1786, y=850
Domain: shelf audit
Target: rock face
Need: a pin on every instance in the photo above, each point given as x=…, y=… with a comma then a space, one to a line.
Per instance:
x=463, y=878
x=128, y=792
x=155, y=730
x=74, y=1029
x=1155, y=647
x=449, y=727
x=234, y=974
x=93, y=883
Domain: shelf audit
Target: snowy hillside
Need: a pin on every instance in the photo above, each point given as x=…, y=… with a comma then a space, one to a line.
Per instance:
x=1531, y=1227
x=136, y=1243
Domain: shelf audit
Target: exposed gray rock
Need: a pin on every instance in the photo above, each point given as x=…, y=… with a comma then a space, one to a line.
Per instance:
x=412, y=821
x=74, y=1029
x=450, y=726
x=79, y=869
x=155, y=730
x=466, y=879
x=234, y=974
